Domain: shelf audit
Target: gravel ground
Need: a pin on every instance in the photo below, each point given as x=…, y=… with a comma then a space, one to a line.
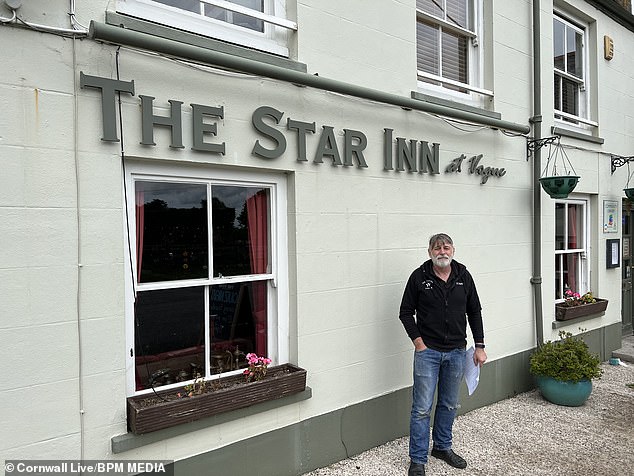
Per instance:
x=526, y=435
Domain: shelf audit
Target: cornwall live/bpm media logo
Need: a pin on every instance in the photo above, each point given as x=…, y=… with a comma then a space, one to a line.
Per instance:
x=88, y=467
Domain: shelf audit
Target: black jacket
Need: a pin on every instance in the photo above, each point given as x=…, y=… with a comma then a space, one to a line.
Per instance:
x=441, y=308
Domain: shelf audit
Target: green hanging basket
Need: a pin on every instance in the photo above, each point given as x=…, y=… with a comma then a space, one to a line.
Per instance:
x=629, y=193
x=559, y=186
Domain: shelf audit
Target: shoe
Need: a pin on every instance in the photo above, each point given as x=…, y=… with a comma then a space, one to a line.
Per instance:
x=416, y=469
x=449, y=457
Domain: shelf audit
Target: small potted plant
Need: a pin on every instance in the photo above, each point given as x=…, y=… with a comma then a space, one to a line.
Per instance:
x=564, y=370
x=576, y=305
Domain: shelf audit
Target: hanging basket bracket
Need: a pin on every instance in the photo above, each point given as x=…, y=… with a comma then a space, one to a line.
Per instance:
x=618, y=161
x=533, y=145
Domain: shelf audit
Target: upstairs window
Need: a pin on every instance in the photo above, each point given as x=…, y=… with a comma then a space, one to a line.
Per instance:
x=570, y=71
x=447, y=37
x=257, y=24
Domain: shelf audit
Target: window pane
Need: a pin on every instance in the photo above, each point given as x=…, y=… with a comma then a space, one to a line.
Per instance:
x=238, y=323
x=427, y=56
x=169, y=336
x=240, y=217
x=457, y=13
x=557, y=93
x=559, y=30
x=575, y=227
x=189, y=5
x=238, y=19
x=574, y=52
x=571, y=272
x=560, y=210
x=454, y=57
x=433, y=7
x=569, y=97
x=172, y=240
x=558, y=277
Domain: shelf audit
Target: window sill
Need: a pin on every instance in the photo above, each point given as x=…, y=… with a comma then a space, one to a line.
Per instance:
x=560, y=324
x=562, y=131
x=129, y=441
x=142, y=26
x=454, y=105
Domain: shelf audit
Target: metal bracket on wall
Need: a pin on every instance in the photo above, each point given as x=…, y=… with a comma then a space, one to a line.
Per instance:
x=618, y=161
x=533, y=145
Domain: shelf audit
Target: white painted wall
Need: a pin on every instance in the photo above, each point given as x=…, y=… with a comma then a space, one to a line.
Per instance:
x=359, y=232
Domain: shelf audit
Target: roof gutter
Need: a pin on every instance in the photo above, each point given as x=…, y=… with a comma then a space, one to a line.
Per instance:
x=122, y=36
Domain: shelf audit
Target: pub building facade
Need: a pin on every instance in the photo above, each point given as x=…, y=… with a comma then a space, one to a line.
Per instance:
x=185, y=183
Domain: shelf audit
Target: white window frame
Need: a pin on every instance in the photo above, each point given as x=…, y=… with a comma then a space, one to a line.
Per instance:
x=474, y=61
x=278, y=336
x=582, y=119
x=584, y=252
x=274, y=39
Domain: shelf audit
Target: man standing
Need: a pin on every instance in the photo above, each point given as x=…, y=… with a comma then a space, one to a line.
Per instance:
x=441, y=295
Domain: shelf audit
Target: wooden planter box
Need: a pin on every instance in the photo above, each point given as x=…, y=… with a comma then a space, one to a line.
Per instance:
x=147, y=413
x=564, y=313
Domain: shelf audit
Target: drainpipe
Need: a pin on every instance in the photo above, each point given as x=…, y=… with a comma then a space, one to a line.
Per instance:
x=536, y=120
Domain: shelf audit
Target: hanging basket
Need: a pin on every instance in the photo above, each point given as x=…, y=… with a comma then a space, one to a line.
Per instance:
x=559, y=186
x=629, y=193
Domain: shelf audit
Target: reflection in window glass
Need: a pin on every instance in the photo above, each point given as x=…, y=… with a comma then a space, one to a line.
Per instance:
x=189, y=5
x=454, y=12
x=235, y=18
x=169, y=336
x=433, y=7
x=457, y=13
x=238, y=322
x=559, y=226
x=240, y=230
x=558, y=45
x=574, y=42
x=171, y=221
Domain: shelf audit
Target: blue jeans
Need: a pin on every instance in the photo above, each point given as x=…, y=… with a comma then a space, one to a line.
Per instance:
x=434, y=369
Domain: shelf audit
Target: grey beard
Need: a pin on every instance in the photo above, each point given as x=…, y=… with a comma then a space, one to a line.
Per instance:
x=441, y=263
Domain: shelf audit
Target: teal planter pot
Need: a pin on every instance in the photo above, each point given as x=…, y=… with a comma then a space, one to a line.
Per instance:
x=570, y=394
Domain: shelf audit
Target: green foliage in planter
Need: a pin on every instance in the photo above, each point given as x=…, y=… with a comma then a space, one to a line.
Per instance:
x=567, y=359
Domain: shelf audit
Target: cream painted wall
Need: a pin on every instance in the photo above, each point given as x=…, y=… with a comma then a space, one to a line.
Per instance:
x=359, y=232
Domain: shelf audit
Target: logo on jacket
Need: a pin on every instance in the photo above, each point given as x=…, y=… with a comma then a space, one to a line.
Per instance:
x=459, y=283
x=428, y=284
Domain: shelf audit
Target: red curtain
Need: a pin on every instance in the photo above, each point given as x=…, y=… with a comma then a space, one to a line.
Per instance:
x=140, y=225
x=257, y=216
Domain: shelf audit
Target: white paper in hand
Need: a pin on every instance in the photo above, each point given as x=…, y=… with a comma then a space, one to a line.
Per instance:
x=471, y=371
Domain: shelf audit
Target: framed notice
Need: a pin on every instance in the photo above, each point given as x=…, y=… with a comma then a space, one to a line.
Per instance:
x=610, y=216
x=612, y=254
